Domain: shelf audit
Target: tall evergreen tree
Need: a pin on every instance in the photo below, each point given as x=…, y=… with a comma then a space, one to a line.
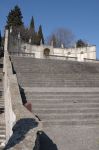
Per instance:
x=40, y=34
x=14, y=18
x=36, y=39
x=0, y=39
x=32, y=25
x=32, y=30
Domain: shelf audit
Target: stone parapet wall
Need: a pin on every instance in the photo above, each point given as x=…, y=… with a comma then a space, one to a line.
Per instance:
x=21, y=125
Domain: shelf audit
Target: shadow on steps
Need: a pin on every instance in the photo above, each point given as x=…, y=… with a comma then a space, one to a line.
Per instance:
x=46, y=143
x=22, y=93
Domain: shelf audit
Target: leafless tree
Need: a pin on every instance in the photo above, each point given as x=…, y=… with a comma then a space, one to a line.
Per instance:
x=61, y=36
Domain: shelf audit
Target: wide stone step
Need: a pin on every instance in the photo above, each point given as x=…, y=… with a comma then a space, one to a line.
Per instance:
x=75, y=116
x=53, y=68
x=70, y=123
x=59, y=75
x=61, y=97
x=63, y=81
x=2, y=131
x=77, y=110
x=2, y=125
x=2, y=136
x=60, y=84
x=53, y=101
x=73, y=105
x=52, y=61
x=68, y=95
x=57, y=85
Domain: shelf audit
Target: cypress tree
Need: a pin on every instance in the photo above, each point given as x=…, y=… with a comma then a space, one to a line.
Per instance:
x=0, y=39
x=32, y=25
x=32, y=30
x=40, y=34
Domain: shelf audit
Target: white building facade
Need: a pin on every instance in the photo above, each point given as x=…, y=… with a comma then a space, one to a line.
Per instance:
x=42, y=51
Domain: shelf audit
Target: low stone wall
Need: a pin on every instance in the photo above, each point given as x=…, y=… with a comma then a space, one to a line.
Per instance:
x=21, y=125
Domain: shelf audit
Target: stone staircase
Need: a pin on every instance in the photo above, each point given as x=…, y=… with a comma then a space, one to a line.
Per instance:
x=2, y=115
x=65, y=96
x=55, y=73
x=65, y=108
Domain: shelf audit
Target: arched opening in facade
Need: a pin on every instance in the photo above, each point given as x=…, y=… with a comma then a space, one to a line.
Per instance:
x=46, y=52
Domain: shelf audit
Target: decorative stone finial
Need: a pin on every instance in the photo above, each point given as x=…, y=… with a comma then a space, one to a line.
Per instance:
x=62, y=45
x=52, y=43
x=19, y=35
x=41, y=42
x=11, y=29
x=30, y=40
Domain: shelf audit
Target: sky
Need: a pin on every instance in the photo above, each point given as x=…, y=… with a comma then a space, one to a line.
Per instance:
x=80, y=16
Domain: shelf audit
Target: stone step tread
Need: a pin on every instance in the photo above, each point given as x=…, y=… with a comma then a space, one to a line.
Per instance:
x=65, y=81
x=2, y=106
x=56, y=85
x=63, y=90
x=1, y=102
x=42, y=97
x=2, y=127
x=2, y=145
x=2, y=136
x=2, y=132
x=70, y=115
x=59, y=75
x=53, y=63
x=55, y=78
x=62, y=93
x=63, y=101
x=57, y=82
x=68, y=111
x=73, y=105
x=38, y=96
x=68, y=123
x=52, y=98
x=66, y=108
x=67, y=117
x=2, y=122
x=76, y=94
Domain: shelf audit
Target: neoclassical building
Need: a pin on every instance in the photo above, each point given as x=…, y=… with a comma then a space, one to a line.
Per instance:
x=42, y=51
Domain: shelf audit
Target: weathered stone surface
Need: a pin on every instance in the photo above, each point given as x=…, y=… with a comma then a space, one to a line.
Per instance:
x=65, y=96
x=21, y=125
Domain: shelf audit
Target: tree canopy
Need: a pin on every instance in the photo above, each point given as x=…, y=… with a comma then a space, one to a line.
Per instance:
x=0, y=39
x=61, y=36
x=81, y=43
x=14, y=21
x=14, y=18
